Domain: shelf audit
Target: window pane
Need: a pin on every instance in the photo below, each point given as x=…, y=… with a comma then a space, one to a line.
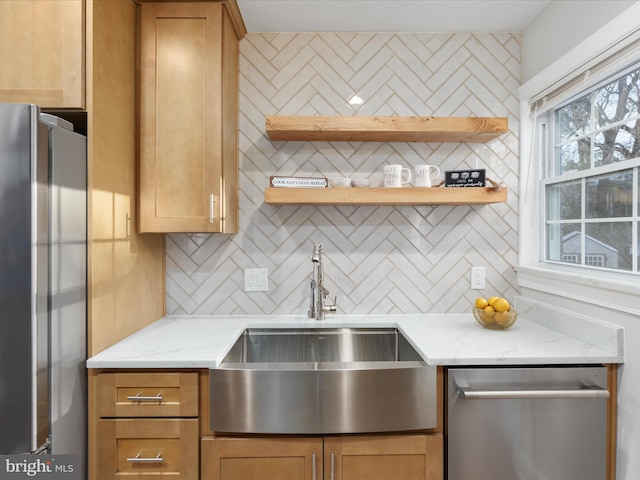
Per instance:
x=609, y=242
x=617, y=100
x=574, y=156
x=609, y=196
x=574, y=120
x=593, y=220
x=564, y=201
x=564, y=243
x=617, y=144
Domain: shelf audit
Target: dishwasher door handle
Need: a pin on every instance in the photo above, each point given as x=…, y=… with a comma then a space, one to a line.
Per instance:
x=590, y=392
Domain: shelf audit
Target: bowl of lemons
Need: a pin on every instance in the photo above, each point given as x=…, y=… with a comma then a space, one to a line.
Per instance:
x=494, y=312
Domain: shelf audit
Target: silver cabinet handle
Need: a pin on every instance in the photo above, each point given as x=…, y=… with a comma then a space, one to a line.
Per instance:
x=591, y=392
x=333, y=463
x=141, y=398
x=313, y=472
x=127, y=228
x=212, y=208
x=139, y=459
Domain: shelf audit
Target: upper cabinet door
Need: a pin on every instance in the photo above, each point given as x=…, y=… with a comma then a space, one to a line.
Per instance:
x=42, y=52
x=188, y=118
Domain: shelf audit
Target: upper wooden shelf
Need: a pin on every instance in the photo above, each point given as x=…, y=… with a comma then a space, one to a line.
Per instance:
x=385, y=129
x=384, y=196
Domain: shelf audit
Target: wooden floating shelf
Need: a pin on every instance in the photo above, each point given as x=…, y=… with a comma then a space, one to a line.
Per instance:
x=384, y=196
x=384, y=129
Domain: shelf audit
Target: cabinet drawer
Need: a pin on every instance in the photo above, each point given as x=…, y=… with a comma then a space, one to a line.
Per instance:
x=172, y=394
x=150, y=448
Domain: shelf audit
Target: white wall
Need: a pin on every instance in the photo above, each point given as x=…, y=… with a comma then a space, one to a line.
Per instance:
x=550, y=51
x=562, y=26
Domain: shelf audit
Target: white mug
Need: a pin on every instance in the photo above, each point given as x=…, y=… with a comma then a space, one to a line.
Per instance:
x=424, y=175
x=393, y=176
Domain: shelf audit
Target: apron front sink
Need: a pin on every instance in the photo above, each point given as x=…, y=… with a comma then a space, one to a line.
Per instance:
x=322, y=381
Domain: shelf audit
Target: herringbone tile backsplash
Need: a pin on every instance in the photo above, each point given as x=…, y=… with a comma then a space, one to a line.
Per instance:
x=378, y=259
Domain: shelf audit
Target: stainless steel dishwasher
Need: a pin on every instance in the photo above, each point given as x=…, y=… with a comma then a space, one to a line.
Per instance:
x=529, y=423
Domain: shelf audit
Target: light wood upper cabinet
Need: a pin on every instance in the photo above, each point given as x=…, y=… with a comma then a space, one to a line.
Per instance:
x=42, y=48
x=188, y=118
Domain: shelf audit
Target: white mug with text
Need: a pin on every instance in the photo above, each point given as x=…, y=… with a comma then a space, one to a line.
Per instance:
x=424, y=175
x=393, y=176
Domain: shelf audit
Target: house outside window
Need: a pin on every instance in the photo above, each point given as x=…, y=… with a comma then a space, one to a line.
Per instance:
x=591, y=176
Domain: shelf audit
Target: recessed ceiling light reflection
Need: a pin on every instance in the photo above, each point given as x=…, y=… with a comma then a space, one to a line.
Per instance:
x=356, y=100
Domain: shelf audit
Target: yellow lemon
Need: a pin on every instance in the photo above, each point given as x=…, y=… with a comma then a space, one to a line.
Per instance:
x=501, y=305
x=501, y=318
x=492, y=300
x=481, y=302
x=489, y=311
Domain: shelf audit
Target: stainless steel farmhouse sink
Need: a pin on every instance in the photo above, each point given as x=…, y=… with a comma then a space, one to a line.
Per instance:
x=322, y=381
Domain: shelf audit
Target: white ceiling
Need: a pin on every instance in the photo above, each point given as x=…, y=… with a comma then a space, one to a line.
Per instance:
x=389, y=15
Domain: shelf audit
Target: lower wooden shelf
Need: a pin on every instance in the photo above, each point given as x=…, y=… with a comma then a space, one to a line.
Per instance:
x=384, y=196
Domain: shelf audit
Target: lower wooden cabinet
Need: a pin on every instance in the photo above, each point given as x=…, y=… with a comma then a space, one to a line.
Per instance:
x=261, y=458
x=387, y=457
x=356, y=457
x=147, y=425
x=153, y=449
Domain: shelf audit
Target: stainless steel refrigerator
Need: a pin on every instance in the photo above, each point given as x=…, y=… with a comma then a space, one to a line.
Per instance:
x=43, y=284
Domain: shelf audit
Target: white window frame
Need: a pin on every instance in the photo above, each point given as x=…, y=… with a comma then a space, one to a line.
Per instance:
x=547, y=156
x=613, y=290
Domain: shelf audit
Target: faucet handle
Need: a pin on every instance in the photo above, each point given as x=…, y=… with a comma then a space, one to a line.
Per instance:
x=332, y=307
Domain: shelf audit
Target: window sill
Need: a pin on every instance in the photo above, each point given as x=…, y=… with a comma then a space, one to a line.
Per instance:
x=602, y=289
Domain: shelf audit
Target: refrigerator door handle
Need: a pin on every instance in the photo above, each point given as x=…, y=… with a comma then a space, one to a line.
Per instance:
x=588, y=392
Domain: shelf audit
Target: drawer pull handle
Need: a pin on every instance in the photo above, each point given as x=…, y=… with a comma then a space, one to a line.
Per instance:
x=141, y=398
x=139, y=459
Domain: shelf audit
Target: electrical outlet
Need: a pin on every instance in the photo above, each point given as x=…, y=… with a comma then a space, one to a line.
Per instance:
x=477, y=278
x=255, y=280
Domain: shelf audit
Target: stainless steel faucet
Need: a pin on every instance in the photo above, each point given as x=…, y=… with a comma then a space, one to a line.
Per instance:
x=319, y=294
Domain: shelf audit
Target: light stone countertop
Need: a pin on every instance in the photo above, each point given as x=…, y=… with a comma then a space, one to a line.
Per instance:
x=540, y=336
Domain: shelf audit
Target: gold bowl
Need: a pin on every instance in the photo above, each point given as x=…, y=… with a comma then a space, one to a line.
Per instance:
x=495, y=320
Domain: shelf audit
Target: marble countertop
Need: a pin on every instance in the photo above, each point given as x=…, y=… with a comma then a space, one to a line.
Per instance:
x=540, y=336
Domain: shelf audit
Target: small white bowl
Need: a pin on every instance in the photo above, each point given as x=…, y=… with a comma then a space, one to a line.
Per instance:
x=340, y=182
x=360, y=182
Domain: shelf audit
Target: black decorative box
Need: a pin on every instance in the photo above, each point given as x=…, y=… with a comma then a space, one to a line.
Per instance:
x=465, y=178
